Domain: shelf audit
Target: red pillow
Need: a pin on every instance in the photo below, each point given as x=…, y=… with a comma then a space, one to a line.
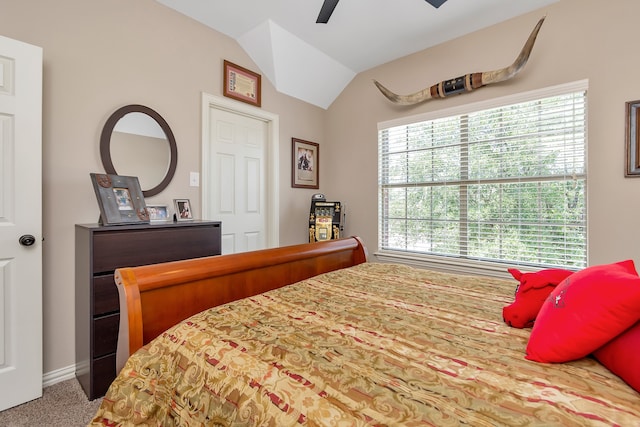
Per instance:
x=533, y=290
x=622, y=356
x=585, y=311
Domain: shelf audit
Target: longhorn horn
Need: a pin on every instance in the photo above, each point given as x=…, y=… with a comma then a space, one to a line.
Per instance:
x=468, y=82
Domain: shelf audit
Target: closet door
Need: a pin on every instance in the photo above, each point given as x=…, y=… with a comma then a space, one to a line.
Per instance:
x=240, y=173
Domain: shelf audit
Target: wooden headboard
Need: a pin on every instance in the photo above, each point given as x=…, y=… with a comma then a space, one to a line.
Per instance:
x=156, y=297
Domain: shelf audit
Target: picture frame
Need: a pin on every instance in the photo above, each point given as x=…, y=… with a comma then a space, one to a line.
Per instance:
x=159, y=213
x=242, y=84
x=305, y=164
x=632, y=148
x=120, y=199
x=183, y=209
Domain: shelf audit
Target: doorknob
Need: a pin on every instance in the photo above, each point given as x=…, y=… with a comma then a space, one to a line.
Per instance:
x=27, y=240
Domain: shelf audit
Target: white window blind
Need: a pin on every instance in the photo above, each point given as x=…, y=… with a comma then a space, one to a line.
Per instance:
x=504, y=184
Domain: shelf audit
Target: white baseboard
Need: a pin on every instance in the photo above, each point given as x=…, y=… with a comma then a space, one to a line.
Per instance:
x=53, y=377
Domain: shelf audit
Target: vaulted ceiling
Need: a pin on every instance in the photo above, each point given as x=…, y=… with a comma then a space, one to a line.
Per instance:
x=314, y=62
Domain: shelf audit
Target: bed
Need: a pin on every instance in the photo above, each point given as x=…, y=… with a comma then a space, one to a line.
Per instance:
x=315, y=335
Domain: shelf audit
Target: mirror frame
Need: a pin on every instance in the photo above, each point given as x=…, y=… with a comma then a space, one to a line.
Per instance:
x=105, y=144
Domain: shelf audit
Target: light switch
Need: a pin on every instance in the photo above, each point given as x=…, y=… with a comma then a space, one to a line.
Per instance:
x=194, y=179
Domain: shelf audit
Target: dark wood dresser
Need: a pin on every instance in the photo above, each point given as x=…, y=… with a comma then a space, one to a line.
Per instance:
x=99, y=251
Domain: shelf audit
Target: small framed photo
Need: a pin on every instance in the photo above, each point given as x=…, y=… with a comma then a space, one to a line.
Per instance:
x=632, y=148
x=158, y=213
x=242, y=84
x=183, y=209
x=120, y=199
x=305, y=164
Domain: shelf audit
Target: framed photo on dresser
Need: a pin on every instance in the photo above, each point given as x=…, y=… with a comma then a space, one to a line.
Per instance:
x=158, y=213
x=120, y=199
x=183, y=209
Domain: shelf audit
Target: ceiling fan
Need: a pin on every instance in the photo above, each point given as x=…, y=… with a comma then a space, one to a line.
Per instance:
x=329, y=5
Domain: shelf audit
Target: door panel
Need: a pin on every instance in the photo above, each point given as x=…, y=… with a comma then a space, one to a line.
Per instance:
x=240, y=170
x=20, y=215
x=238, y=151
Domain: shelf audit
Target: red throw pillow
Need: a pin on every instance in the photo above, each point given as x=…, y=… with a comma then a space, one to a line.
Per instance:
x=622, y=356
x=533, y=290
x=585, y=311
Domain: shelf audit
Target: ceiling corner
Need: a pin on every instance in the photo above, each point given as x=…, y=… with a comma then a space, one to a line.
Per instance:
x=295, y=67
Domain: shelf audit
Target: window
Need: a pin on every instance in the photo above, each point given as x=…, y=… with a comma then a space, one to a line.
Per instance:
x=505, y=183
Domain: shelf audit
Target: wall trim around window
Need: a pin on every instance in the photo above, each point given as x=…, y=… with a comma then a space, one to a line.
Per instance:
x=561, y=89
x=451, y=264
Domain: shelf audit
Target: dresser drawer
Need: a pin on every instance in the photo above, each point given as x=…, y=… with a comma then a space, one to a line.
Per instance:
x=104, y=370
x=105, y=295
x=105, y=334
x=131, y=248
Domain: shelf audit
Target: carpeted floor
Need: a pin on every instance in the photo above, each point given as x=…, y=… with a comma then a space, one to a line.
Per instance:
x=63, y=404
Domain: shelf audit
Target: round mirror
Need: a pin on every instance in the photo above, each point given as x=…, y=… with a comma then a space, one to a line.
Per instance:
x=137, y=141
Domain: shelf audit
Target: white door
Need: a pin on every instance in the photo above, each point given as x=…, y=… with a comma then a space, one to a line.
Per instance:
x=20, y=216
x=238, y=185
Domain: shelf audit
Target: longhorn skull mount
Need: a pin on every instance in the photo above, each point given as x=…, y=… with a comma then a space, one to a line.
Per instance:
x=468, y=82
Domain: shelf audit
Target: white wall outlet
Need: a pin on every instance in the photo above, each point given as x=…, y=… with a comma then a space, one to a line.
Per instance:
x=194, y=179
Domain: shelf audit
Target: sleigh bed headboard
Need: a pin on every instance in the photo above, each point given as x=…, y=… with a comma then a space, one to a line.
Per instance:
x=156, y=297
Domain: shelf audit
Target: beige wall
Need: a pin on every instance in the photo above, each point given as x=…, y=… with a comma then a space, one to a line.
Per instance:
x=580, y=39
x=102, y=55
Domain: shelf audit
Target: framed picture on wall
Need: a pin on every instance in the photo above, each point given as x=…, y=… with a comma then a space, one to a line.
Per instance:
x=305, y=164
x=242, y=84
x=183, y=209
x=632, y=148
x=120, y=199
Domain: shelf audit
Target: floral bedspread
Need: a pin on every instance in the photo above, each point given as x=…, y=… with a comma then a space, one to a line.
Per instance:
x=375, y=344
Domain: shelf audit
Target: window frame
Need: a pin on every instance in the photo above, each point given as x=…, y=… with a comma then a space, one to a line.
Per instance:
x=466, y=265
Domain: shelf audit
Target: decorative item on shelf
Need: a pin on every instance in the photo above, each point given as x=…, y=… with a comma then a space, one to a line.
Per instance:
x=633, y=139
x=120, y=199
x=183, y=210
x=159, y=213
x=305, y=164
x=468, y=82
x=242, y=84
x=326, y=219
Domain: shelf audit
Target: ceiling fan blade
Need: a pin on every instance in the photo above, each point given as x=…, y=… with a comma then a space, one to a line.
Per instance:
x=326, y=11
x=436, y=3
